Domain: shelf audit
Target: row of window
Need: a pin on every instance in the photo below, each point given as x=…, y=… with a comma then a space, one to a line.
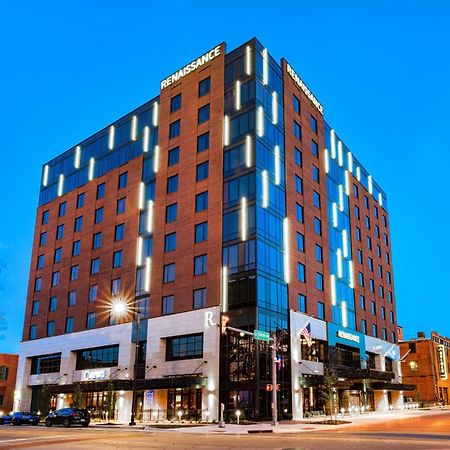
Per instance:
x=366, y=205
x=202, y=173
x=361, y=283
x=301, y=276
x=202, y=117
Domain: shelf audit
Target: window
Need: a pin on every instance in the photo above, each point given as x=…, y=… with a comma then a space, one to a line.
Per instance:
x=299, y=213
x=45, y=364
x=373, y=308
x=314, y=148
x=90, y=320
x=302, y=303
x=201, y=201
x=355, y=191
x=360, y=256
x=35, y=308
x=119, y=232
x=203, y=142
x=298, y=157
x=296, y=103
x=98, y=215
x=100, y=191
x=374, y=330
x=72, y=298
x=60, y=232
x=172, y=184
x=201, y=232
x=167, y=305
x=62, y=209
x=381, y=291
x=357, y=215
x=50, y=328
x=170, y=242
x=33, y=332
x=175, y=103
x=301, y=272
x=95, y=266
x=174, y=130
x=93, y=290
x=78, y=226
x=76, y=248
x=377, y=231
x=297, y=131
x=169, y=273
x=414, y=366
x=315, y=173
x=366, y=202
x=321, y=310
x=298, y=184
x=199, y=298
x=384, y=220
x=386, y=241
x=80, y=200
x=97, y=357
x=97, y=240
x=74, y=272
x=202, y=171
x=45, y=216
x=367, y=220
x=121, y=205
x=362, y=302
x=203, y=114
x=369, y=242
x=358, y=233
x=319, y=253
x=3, y=376
x=300, y=242
x=361, y=279
x=53, y=304
x=204, y=87
x=115, y=286
x=319, y=281
x=378, y=251
x=55, y=278
x=363, y=326
x=370, y=263
x=117, y=259
x=313, y=122
x=371, y=285
x=43, y=239
x=40, y=262
x=123, y=180
x=174, y=156
x=383, y=312
x=184, y=347
x=391, y=316
x=317, y=226
x=375, y=211
x=37, y=284
x=389, y=279
x=69, y=324
x=316, y=199
x=171, y=213
x=200, y=263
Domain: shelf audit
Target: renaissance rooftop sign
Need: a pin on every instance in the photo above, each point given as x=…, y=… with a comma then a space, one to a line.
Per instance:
x=191, y=67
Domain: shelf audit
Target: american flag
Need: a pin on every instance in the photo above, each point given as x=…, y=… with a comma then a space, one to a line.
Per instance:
x=306, y=333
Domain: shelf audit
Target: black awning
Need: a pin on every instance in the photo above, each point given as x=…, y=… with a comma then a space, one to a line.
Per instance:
x=379, y=386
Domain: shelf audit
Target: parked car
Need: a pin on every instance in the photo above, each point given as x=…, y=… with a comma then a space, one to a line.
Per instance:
x=20, y=418
x=68, y=417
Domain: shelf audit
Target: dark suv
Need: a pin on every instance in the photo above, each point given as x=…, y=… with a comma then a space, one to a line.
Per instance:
x=68, y=417
x=20, y=418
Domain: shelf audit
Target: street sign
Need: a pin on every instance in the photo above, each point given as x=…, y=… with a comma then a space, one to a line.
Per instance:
x=261, y=335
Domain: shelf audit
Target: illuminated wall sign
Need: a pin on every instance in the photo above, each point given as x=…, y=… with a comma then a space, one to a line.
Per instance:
x=442, y=362
x=209, y=319
x=191, y=67
x=299, y=82
x=348, y=336
x=94, y=375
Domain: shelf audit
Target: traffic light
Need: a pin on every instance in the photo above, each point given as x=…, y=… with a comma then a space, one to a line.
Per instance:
x=269, y=388
x=223, y=324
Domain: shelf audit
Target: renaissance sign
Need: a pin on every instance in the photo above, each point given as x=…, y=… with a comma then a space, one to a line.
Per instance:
x=442, y=362
x=191, y=67
x=299, y=82
x=348, y=336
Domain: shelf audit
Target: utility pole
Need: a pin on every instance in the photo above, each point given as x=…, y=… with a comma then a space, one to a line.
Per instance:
x=274, y=381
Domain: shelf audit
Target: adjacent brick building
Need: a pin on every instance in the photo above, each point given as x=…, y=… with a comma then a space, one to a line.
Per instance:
x=8, y=372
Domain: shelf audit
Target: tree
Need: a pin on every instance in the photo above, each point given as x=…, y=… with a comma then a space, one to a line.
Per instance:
x=45, y=398
x=110, y=401
x=328, y=390
x=77, y=397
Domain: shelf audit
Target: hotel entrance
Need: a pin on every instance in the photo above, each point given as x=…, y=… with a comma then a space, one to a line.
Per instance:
x=188, y=401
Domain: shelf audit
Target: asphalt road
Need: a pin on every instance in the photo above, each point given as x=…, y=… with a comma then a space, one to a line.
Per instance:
x=430, y=432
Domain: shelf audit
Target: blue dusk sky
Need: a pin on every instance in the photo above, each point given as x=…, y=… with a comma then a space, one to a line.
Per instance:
x=381, y=70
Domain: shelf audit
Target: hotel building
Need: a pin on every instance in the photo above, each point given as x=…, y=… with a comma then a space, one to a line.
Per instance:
x=226, y=199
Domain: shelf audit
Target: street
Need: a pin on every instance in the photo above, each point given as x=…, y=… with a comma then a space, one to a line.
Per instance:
x=430, y=430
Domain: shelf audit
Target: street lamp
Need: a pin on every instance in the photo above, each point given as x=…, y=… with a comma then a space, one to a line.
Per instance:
x=120, y=308
x=238, y=414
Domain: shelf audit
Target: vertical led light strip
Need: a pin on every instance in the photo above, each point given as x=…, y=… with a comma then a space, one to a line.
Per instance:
x=335, y=214
x=238, y=95
x=141, y=197
x=274, y=107
x=350, y=161
x=133, y=128
x=265, y=188
x=248, y=151
x=91, y=169
x=146, y=139
x=286, y=250
x=139, y=251
x=380, y=199
x=260, y=121
x=339, y=262
x=45, y=176
x=345, y=243
x=327, y=161
x=341, y=197
x=370, y=183
x=226, y=130
x=347, y=183
x=224, y=289
x=344, y=314
x=148, y=271
x=244, y=218
x=333, y=289
x=155, y=114
x=340, y=154
x=156, y=159
x=248, y=60
x=77, y=158
x=351, y=274
x=333, y=144
x=358, y=173
x=60, y=185
x=150, y=206
x=265, y=67
x=112, y=131
x=277, y=164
